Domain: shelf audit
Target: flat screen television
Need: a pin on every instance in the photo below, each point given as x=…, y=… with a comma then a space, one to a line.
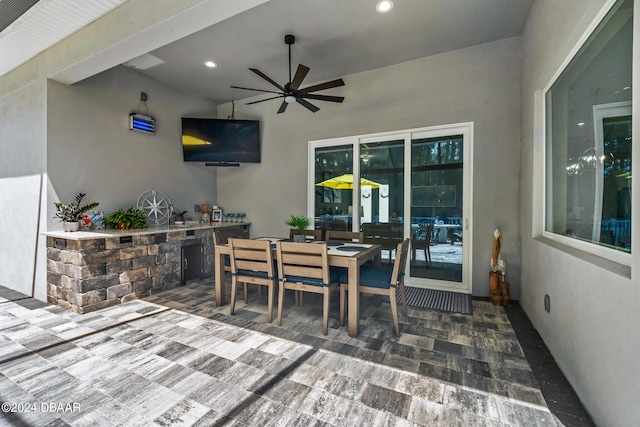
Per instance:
x=220, y=141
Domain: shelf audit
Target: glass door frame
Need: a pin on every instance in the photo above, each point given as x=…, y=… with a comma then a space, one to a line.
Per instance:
x=466, y=130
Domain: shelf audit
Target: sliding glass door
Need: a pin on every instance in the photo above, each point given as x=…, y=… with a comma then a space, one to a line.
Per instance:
x=418, y=181
x=437, y=202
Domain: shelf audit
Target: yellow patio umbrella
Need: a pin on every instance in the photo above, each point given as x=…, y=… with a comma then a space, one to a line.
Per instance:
x=345, y=182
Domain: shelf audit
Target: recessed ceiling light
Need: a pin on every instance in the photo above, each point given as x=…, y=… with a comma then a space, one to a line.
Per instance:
x=384, y=6
x=581, y=124
x=210, y=64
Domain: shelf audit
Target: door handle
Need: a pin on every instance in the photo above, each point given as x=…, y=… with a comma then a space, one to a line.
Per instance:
x=186, y=263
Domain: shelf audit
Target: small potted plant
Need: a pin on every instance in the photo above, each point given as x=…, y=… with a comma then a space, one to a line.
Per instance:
x=178, y=217
x=299, y=223
x=127, y=219
x=71, y=214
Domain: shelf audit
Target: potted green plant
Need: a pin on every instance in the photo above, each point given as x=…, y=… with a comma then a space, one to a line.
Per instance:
x=71, y=213
x=178, y=217
x=299, y=223
x=127, y=219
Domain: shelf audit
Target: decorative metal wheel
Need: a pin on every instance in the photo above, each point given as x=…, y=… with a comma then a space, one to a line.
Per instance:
x=157, y=206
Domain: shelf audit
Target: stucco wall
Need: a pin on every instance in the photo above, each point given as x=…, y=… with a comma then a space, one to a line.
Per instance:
x=92, y=150
x=479, y=84
x=591, y=328
x=22, y=185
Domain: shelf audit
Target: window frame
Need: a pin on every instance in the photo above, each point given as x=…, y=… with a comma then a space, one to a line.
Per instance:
x=620, y=257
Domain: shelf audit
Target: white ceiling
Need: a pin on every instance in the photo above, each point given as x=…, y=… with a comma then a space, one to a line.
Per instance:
x=334, y=38
x=43, y=25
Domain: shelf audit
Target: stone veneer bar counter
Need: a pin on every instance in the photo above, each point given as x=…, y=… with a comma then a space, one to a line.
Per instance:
x=90, y=270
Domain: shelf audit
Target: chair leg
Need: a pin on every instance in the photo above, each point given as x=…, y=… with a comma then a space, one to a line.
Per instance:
x=270, y=304
x=343, y=291
x=428, y=256
x=280, y=303
x=246, y=293
x=325, y=312
x=403, y=298
x=234, y=288
x=394, y=311
x=300, y=297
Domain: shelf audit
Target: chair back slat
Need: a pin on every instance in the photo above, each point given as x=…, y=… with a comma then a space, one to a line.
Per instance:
x=344, y=236
x=302, y=271
x=242, y=264
x=253, y=255
x=303, y=259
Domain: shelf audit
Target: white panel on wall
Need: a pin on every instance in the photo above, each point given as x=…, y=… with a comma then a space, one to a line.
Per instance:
x=19, y=231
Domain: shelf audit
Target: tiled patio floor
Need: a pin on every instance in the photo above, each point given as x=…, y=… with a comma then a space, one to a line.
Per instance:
x=176, y=359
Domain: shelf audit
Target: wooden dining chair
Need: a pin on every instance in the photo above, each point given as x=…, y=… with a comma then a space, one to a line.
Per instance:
x=252, y=263
x=344, y=236
x=221, y=236
x=424, y=244
x=381, y=281
x=310, y=234
x=388, y=235
x=304, y=267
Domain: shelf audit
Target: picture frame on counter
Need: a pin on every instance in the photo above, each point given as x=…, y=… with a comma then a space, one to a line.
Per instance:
x=216, y=215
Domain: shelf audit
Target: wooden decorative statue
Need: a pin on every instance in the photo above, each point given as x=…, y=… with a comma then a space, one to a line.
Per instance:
x=498, y=286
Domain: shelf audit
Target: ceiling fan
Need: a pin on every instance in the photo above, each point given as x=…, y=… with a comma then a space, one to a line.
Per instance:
x=291, y=92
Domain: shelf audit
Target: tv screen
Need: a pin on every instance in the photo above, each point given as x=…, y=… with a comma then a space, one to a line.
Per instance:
x=221, y=141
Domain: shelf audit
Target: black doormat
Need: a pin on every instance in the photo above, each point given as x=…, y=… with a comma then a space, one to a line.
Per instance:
x=431, y=299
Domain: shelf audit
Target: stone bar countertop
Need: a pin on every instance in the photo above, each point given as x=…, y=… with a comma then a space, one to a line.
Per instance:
x=106, y=233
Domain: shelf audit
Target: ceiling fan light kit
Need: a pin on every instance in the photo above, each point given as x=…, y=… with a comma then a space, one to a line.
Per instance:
x=290, y=92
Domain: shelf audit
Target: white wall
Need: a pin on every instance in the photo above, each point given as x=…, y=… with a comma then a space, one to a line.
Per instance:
x=479, y=84
x=591, y=329
x=91, y=149
x=22, y=174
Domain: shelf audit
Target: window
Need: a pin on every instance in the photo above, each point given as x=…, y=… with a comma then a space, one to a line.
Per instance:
x=588, y=140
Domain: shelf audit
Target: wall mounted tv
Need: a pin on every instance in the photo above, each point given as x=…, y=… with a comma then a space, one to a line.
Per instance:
x=221, y=142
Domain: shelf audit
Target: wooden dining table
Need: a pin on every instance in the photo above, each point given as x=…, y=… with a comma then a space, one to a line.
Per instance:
x=348, y=255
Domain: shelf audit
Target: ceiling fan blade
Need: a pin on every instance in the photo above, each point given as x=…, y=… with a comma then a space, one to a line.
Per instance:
x=301, y=73
x=283, y=107
x=262, y=100
x=257, y=90
x=321, y=86
x=322, y=97
x=267, y=78
x=307, y=104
